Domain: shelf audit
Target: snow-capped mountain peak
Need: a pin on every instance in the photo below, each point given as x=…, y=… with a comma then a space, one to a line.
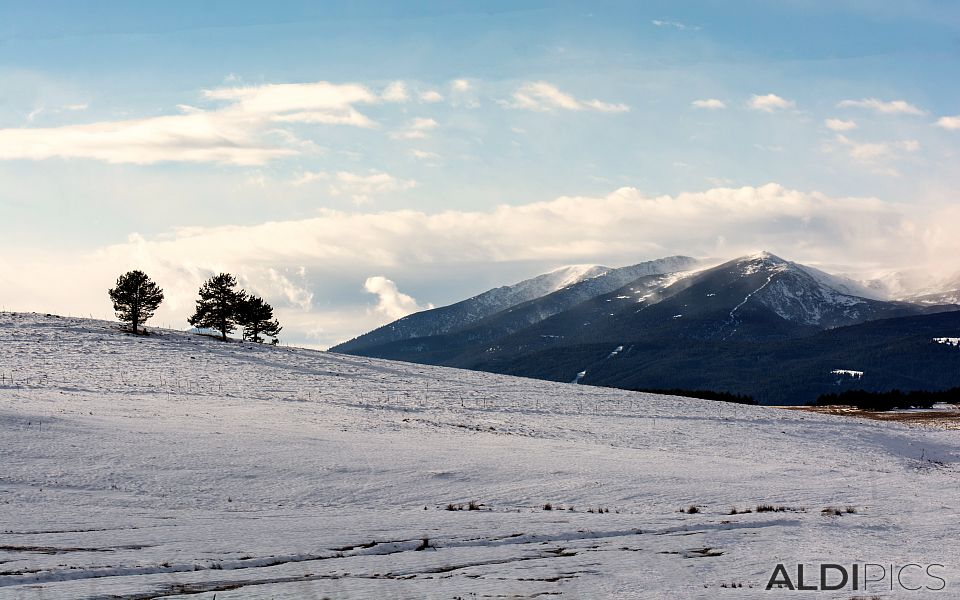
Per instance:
x=560, y=278
x=804, y=294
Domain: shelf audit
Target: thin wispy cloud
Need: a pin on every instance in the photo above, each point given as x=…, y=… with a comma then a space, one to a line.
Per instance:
x=677, y=25
x=546, y=97
x=769, y=103
x=424, y=154
x=246, y=129
x=396, y=92
x=709, y=104
x=872, y=151
x=310, y=176
x=416, y=129
x=891, y=107
x=880, y=157
x=840, y=124
x=431, y=96
x=360, y=187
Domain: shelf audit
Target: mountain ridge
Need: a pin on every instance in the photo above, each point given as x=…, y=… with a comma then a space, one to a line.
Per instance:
x=758, y=300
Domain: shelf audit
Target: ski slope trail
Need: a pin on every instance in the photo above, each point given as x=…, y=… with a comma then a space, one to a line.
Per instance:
x=178, y=466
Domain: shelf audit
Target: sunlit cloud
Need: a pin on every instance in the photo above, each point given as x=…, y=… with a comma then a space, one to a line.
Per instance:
x=839, y=125
x=247, y=129
x=892, y=107
x=416, y=129
x=391, y=302
x=545, y=97
x=430, y=96
x=423, y=154
x=878, y=155
x=952, y=123
x=769, y=103
x=673, y=25
x=709, y=103
x=396, y=92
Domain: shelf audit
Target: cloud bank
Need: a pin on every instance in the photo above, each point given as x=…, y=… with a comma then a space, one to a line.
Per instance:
x=315, y=269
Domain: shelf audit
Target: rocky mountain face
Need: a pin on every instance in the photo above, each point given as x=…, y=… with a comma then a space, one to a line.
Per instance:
x=565, y=286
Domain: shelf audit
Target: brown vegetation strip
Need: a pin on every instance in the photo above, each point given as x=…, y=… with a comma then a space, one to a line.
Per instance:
x=941, y=419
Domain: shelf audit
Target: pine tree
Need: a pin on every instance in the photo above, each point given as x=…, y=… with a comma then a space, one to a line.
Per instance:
x=256, y=317
x=219, y=304
x=135, y=298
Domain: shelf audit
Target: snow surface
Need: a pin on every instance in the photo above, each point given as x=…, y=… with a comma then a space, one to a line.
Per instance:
x=913, y=285
x=949, y=341
x=179, y=466
x=848, y=372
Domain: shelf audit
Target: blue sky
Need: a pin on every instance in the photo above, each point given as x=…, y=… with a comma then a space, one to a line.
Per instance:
x=449, y=147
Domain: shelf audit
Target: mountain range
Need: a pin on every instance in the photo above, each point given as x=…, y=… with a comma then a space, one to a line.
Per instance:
x=757, y=325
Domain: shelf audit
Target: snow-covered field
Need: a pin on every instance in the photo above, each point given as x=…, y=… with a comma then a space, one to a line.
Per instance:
x=178, y=466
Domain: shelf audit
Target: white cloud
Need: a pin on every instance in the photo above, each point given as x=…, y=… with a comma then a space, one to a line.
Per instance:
x=891, y=107
x=392, y=303
x=769, y=103
x=720, y=181
x=430, y=96
x=296, y=294
x=839, y=124
x=673, y=25
x=423, y=154
x=461, y=85
x=243, y=131
x=869, y=151
x=877, y=155
x=909, y=145
x=320, y=102
x=310, y=177
x=545, y=97
x=361, y=187
x=416, y=129
x=709, y=103
x=396, y=92
x=952, y=123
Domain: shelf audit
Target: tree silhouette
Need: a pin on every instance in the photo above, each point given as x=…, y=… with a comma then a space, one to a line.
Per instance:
x=218, y=305
x=135, y=298
x=256, y=317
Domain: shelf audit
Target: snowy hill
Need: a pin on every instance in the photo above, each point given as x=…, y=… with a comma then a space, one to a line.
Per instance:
x=177, y=466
